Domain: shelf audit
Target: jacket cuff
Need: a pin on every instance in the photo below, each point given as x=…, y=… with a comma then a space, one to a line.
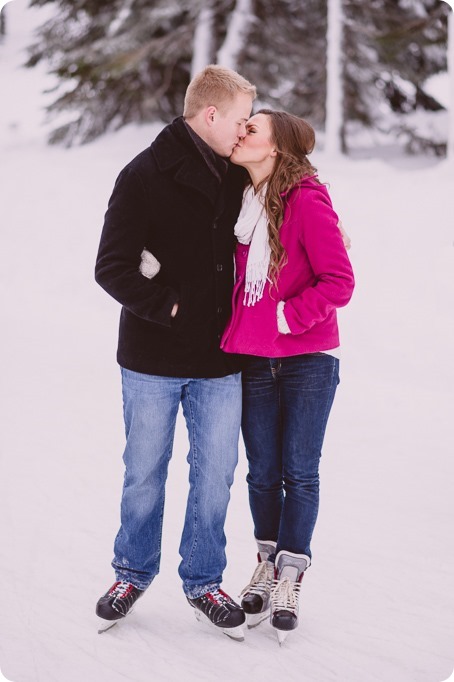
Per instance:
x=282, y=325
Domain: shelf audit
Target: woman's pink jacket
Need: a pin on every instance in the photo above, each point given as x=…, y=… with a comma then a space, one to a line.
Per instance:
x=317, y=279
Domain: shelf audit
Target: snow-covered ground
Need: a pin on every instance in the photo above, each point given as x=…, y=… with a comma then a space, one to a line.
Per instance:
x=377, y=604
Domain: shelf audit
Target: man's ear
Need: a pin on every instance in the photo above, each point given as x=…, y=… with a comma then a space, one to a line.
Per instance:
x=210, y=114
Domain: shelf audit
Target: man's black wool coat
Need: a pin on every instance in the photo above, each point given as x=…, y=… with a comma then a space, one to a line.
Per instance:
x=169, y=201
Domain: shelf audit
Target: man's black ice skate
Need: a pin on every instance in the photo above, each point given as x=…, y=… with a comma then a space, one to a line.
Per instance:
x=221, y=611
x=256, y=595
x=285, y=592
x=116, y=603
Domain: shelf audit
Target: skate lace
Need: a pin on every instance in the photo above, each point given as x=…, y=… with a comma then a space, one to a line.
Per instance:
x=121, y=589
x=285, y=595
x=261, y=579
x=220, y=597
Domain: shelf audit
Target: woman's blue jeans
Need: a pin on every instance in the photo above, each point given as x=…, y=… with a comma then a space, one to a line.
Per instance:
x=212, y=410
x=286, y=404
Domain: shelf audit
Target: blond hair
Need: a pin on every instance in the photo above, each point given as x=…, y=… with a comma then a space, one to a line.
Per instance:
x=214, y=86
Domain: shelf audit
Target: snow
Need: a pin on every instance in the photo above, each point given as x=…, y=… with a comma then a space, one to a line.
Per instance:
x=377, y=604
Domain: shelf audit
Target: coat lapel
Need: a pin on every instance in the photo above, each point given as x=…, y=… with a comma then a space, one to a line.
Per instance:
x=174, y=151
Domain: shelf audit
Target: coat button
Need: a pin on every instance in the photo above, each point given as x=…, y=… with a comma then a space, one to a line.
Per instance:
x=215, y=224
x=220, y=309
x=219, y=267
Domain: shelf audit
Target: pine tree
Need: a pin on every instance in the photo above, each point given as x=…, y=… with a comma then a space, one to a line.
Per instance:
x=390, y=49
x=120, y=61
x=130, y=60
x=117, y=61
x=285, y=56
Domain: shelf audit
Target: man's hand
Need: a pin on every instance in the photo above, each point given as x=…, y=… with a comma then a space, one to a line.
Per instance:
x=346, y=239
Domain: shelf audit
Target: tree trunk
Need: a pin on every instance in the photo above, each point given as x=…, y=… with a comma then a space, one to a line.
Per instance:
x=237, y=32
x=203, y=39
x=334, y=118
x=451, y=79
x=2, y=22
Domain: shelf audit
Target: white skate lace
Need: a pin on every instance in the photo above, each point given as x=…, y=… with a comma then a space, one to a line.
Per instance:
x=221, y=597
x=285, y=595
x=121, y=589
x=261, y=579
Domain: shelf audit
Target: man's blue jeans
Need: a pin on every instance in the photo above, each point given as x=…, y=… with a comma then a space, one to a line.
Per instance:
x=286, y=404
x=212, y=410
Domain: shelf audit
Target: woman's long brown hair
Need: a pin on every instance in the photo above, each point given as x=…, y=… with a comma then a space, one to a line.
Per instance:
x=294, y=139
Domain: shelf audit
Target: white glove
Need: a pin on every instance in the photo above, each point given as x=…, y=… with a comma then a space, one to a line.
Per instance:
x=149, y=265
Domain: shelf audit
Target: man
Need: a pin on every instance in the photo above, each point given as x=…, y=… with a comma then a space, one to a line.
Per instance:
x=179, y=200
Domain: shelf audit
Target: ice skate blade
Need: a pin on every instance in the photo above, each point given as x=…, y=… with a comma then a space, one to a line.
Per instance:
x=282, y=636
x=237, y=634
x=254, y=619
x=105, y=625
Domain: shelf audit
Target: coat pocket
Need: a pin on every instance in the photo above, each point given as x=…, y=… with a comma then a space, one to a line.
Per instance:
x=196, y=308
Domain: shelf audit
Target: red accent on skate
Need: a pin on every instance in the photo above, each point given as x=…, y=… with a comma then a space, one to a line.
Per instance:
x=211, y=598
x=128, y=591
x=224, y=594
x=125, y=594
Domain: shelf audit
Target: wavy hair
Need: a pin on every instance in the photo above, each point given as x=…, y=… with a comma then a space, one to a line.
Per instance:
x=293, y=139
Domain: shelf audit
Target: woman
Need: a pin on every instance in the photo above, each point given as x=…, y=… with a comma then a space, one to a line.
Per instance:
x=292, y=272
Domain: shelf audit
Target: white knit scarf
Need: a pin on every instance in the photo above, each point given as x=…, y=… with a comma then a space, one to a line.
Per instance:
x=252, y=228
